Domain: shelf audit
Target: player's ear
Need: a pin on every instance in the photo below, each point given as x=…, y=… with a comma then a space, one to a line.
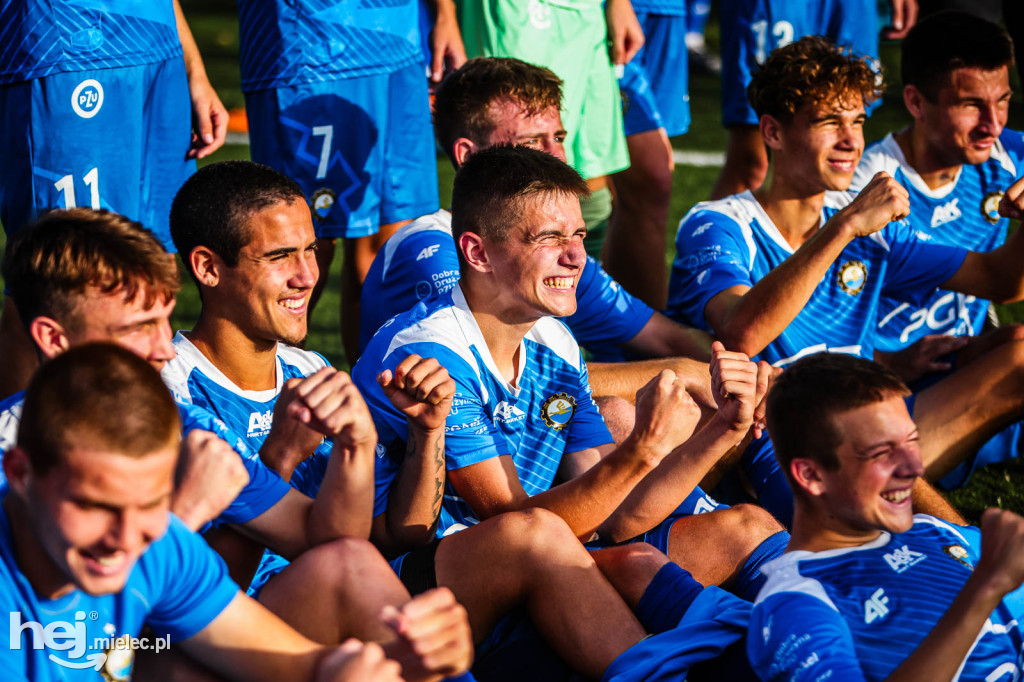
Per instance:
x=808, y=475
x=474, y=251
x=462, y=149
x=16, y=469
x=49, y=336
x=914, y=100
x=771, y=131
x=205, y=266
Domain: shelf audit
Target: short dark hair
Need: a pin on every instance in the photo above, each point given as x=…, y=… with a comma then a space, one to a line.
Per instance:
x=945, y=41
x=52, y=262
x=807, y=396
x=213, y=207
x=809, y=71
x=464, y=102
x=97, y=390
x=487, y=198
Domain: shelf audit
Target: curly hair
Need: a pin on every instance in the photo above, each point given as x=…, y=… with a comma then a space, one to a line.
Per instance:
x=810, y=71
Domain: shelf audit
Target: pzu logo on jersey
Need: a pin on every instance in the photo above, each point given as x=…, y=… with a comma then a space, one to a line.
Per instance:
x=87, y=98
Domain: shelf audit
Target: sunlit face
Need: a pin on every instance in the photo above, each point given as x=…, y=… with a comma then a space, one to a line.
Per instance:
x=512, y=125
x=109, y=317
x=97, y=511
x=539, y=265
x=969, y=113
x=879, y=461
x=821, y=145
x=267, y=293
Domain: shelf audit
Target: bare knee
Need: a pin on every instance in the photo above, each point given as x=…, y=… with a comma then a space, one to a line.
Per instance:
x=619, y=415
x=342, y=562
x=630, y=568
x=749, y=525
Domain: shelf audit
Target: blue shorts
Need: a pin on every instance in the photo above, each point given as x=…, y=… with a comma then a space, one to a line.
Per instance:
x=106, y=138
x=270, y=565
x=362, y=149
x=654, y=84
x=697, y=502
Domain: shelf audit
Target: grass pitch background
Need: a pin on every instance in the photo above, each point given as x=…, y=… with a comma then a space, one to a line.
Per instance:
x=215, y=26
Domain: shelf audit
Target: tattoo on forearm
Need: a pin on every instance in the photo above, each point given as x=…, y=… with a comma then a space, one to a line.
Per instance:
x=438, y=474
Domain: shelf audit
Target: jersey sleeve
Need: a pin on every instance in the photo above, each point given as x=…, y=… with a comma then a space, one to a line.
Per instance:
x=265, y=487
x=711, y=256
x=917, y=266
x=794, y=637
x=606, y=314
x=193, y=580
x=587, y=428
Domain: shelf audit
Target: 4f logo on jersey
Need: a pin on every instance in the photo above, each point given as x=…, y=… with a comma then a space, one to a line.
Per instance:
x=990, y=206
x=876, y=607
x=946, y=212
x=428, y=251
x=852, y=276
x=87, y=98
x=903, y=558
x=259, y=423
x=557, y=410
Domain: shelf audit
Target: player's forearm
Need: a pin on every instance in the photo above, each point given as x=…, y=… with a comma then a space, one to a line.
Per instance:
x=767, y=308
x=418, y=490
x=624, y=379
x=997, y=275
x=193, y=61
x=941, y=653
x=344, y=503
x=665, y=488
x=663, y=338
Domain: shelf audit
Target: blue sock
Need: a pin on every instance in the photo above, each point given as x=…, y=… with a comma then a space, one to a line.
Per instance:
x=666, y=599
x=750, y=579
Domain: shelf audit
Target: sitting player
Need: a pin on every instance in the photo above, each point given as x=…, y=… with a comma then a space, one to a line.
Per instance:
x=84, y=275
x=866, y=590
x=523, y=415
x=248, y=240
x=493, y=101
x=955, y=160
x=85, y=529
x=798, y=268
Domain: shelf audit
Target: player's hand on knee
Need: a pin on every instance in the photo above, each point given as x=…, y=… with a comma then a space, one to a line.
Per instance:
x=328, y=402
x=882, y=201
x=666, y=415
x=421, y=389
x=210, y=476
x=435, y=630
x=354, y=661
x=1012, y=204
x=1002, y=550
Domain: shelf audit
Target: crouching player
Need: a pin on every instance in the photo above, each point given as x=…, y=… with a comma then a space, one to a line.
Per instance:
x=89, y=551
x=866, y=589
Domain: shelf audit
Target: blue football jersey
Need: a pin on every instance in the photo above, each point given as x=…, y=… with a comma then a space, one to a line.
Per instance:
x=732, y=242
x=177, y=587
x=546, y=413
x=676, y=8
x=42, y=37
x=288, y=42
x=961, y=213
x=858, y=613
x=420, y=261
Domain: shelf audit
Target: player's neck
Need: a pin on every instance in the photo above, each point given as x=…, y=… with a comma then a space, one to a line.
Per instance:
x=796, y=212
x=925, y=159
x=249, y=364
x=502, y=333
x=818, y=530
x=35, y=564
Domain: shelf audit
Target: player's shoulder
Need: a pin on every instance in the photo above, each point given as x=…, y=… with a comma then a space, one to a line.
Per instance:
x=299, y=361
x=1008, y=151
x=881, y=155
x=553, y=335
x=177, y=371
x=784, y=576
x=428, y=236
x=735, y=214
x=931, y=526
x=436, y=325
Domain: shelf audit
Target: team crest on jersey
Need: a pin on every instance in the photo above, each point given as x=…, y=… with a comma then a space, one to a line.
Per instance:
x=990, y=206
x=558, y=410
x=322, y=202
x=87, y=98
x=958, y=553
x=852, y=276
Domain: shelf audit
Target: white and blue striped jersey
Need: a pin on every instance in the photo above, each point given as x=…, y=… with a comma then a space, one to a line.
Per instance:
x=858, y=613
x=963, y=213
x=732, y=242
x=40, y=37
x=420, y=261
x=548, y=411
x=290, y=42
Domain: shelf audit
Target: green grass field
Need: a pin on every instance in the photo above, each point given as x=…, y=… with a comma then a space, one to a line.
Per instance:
x=216, y=30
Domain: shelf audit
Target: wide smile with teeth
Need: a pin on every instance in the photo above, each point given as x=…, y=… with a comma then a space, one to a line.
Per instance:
x=559, y=282
x=294, y=303
x=896, y=496
x=107, y=564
